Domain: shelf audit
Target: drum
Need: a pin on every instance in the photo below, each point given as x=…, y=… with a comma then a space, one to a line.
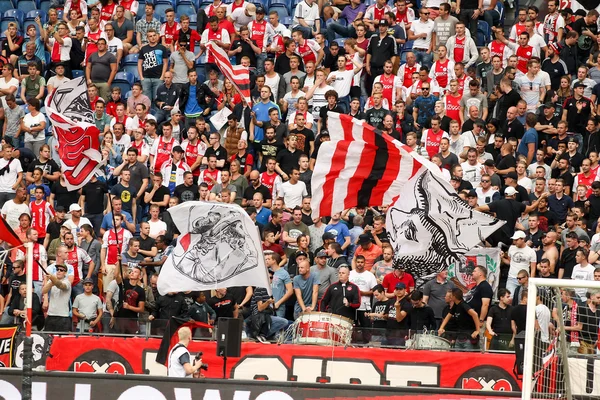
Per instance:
x=424, y=341
x=322, y=328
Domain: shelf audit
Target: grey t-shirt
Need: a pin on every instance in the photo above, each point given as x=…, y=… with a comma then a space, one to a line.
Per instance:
x=180, y=68
x=288, y=76
x=467, y=101
x=101, y=66
x=325, y=276
x=59, y=300
x=444, y=29
x=13, y=120
x=437, y=293
x=121, y=32
x=306, y=289
x=88, y=305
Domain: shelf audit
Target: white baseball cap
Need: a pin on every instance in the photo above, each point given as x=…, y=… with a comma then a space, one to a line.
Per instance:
x=518, y=235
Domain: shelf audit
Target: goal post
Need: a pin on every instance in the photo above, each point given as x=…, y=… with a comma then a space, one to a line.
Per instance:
x=558, y=363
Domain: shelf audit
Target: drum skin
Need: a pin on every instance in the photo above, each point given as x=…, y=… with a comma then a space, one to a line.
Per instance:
x=322, y=328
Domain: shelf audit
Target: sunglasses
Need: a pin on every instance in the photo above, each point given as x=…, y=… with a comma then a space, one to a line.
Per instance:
x=424, y=13
x=520, y=278
x=485, y=181
x=425, y=88
x=61, y=269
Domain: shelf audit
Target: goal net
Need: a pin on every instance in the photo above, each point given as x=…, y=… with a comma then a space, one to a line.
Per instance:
x=561, y=358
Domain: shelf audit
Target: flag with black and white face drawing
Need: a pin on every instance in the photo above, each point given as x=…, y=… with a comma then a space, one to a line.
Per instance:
x=431, y=227
x=219, y=247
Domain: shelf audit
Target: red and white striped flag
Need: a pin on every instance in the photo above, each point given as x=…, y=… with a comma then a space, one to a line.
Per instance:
x=237, y=74
x=360, y=166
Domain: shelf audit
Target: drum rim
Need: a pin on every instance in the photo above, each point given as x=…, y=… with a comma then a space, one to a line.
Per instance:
x=348, y=320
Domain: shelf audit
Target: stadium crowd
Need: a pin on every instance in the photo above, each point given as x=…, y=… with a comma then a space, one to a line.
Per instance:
x=511, y=120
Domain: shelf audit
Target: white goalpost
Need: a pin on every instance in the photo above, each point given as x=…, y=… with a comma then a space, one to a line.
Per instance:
x=561, y=357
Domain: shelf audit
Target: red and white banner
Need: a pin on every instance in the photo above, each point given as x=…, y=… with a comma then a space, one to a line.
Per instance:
x=76, y=135
x=237, y=74
x=296, y=363
x=360, y=166
x=7, y=344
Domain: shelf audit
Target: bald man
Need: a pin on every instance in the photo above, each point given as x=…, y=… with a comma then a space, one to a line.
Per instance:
x=256, y=187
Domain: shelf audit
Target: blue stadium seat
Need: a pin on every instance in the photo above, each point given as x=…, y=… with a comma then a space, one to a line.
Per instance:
x=27, y=5
x=287, y=21
x=282, y=10
x=30, y=17
x=193, y=19
x=45, y=5
x=161, y=6
x=6, y=5
x=132, y=69
x=124, y=80
x=500, y=9
x=14, y=15
x=127, y=95
x=77, y=73
x=484, y=34
x=206, y=3
x=186, y=7
x=131, y=59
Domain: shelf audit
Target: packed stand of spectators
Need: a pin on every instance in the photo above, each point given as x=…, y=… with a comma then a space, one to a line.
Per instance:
x=510, y=120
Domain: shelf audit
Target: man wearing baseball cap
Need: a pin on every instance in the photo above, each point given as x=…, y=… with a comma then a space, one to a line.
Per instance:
x=173, y=170
x=519, y=256
x=88, y=308
x=76, y=221
x=390, y=281
x=511, y=180
x=578, y=109
x=325, y=274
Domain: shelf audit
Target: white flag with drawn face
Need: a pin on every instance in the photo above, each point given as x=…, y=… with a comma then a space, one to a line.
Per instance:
x=219, y=247
x=430, y=227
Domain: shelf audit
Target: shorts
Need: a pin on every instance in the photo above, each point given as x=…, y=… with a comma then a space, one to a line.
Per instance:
x=109, y=276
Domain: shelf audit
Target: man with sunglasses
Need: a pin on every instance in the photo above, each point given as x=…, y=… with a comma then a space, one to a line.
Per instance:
x=58, y=289
x=421, y=31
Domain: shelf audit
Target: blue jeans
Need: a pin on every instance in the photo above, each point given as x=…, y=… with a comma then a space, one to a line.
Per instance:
x=260, y=63
x=150, y=86
x=277, y=324
x=306, y=32
x=511, y=285
x=492, y=17
x=423, y=58
x=343, y=31
x=464, y=343
x=96, y=220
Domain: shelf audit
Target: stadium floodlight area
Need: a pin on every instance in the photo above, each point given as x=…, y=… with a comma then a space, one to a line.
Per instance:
x=561, y=359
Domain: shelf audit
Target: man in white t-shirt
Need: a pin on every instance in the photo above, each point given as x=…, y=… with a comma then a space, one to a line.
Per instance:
x=342, y=79
x=157, y=226
x=306, y=18
x=242, y=16
x=8, y=84
x=294, y=190
x=57, y=80
x=114, y=45
x=520, y=256
x=12, y=209
x=472, y=169
x=317, y=94
x=583, y=271
x=12, y=176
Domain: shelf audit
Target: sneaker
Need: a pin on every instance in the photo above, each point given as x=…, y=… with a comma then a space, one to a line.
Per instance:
x=511, y=3
x=262, y=339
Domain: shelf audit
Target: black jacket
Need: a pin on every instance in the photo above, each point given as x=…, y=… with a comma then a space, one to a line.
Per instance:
x=202, y=92
x=333, y=299
x=168, y=306
x=36, y=309
x=238, y=110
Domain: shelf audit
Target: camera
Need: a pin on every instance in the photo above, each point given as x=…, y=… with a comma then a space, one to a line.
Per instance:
x=203, y=366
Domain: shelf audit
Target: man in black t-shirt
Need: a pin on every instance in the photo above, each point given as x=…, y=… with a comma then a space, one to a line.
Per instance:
x=588, y=27
x=187, y=191
x=126, y=192
x=134, y=299
x=481, y=295
x=420, y=315
x=157, y=193
x=397, y=322
x=256, y=187
x=467, y=322
x=244, y=46
x=153, y=60
x=224, y=304
x=498, y=321
x=306, y=137
x=94, y=193
x=590, y=319
x=381, y=308
x=518, y=316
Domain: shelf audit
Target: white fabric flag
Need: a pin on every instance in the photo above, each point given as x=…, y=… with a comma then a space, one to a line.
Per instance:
x=430, y=227
x=219, y=247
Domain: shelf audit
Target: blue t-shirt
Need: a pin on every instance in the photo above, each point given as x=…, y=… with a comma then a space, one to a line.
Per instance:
x=31, y=190
x=262, y=114
x=192, y=108
x=306, y=289
x=107, y=221
x=280, y=279
x=530, y=136
x=263, y=216
x=426, y=107
x=340, y=230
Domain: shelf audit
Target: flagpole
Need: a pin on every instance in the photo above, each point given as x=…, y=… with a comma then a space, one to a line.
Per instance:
x=28, y=342
x=121, y=286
